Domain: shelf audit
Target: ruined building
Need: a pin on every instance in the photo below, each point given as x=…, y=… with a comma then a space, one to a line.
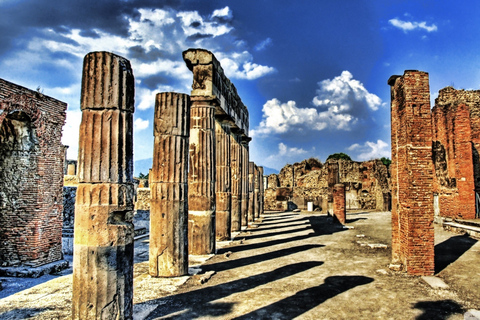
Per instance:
x=456, y=145
x=366, y=185
x=31, y=175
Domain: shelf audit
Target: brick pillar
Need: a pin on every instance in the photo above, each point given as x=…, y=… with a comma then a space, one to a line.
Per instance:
x=236, y=173
x=412, y=173
x=223, y=181
x=103, y=252
x=168, y=255
x=245, y=193
x=339, y=203
x=251, y=192
x=201, y=177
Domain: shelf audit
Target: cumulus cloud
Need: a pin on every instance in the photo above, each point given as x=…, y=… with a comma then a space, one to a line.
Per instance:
x=241, y=66
x=285, y=154
x=340, y=103
x=141, y=124
x=412, y=25
x=371, y=150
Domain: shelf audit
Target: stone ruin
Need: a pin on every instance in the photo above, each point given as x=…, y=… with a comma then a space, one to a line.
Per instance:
x=367, y=185
x=31, y=175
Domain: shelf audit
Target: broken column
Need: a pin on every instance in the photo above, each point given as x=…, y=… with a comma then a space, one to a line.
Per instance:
x=103, y=242
x=236, y=172
x=223, y=182
x=169, y=186
x=339, y=203
x=213, y=97
x=412, y=173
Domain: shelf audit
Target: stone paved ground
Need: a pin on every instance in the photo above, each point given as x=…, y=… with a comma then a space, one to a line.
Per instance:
x=291, y=265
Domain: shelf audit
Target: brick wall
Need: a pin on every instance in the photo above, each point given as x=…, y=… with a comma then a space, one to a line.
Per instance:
x=455, y=151
x=412, y=173
x=31, y=175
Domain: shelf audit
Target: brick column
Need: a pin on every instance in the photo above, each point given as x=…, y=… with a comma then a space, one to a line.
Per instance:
x=339, y=203
x=223, y=181
x=168, y=255
x=412, y=173
x=236, y=175
x=201, y=177
x=103, y=252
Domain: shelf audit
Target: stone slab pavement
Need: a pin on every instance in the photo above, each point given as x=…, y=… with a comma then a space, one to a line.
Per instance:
x=289, y=265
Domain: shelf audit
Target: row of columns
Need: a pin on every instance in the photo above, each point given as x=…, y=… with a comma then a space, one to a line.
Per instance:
x=203, y=186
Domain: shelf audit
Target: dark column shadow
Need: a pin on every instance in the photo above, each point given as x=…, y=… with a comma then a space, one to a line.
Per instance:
x=235, y=263
x=354, y=219
x=307, y=299
x=281, y=221
x=277, y=216
x=450, y=250
x=21, y=313
x=261, y=228
x=438, y=310
x=192, y=304
x=273, y=234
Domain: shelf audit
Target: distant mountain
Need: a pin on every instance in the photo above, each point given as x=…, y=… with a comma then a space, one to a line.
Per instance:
x=142, y=166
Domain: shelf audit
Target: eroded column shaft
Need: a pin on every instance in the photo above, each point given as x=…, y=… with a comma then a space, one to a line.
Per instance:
x=168, y=255
x=261, y=190
x=251, y=192
x=236, y=178
x=201, y=177
x=256, y=192
x=223, y=181
x=245, y=195
x=339, y=201
x=103, y=252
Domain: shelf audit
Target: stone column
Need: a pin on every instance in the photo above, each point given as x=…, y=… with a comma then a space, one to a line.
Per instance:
x=339, y=208
x=168, y=255
x=201, y=177
x=223, y=181
x=245, y=194
x=256, y=192
x=103, y=252
x=236, y=176
x=251, y=192
x=412, y=173
x=261, y=189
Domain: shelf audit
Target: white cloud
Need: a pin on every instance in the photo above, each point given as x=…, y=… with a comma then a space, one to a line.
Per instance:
x=340, y=104
x=263, y=44
x=285, y=154
x=240, y=66
x=412, y=25
x=371, y=150
x=141, y=124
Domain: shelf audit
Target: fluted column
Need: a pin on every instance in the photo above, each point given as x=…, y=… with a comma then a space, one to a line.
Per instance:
x=223, y=181
x=201, y=177
x=169, y=186
x=251, y=192
x=245, y=194
x=103, y=252
x=236, y=172
x=261, y=190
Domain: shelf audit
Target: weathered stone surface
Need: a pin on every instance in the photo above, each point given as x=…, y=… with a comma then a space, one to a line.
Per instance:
x=251, y=192
x=201, y=177
x=223, y=181
x=236, y=181
x=31, y=175
x=103, y=256
x=245, y=181
x=366, y=183
x=412, y=173
x=169, y=186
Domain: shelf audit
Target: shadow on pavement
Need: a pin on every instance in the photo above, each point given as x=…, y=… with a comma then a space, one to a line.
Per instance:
x=23, y=313
x=450, y=250
x=192, y=304
x=227, y=265
x=438, y=310
x=307, y=299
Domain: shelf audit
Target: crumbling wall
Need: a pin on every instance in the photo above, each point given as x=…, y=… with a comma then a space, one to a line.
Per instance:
x=366, y=185
x=31, y=175
x=456, y=139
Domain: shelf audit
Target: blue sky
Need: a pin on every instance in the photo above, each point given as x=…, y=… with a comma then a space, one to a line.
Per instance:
x=312, y=73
